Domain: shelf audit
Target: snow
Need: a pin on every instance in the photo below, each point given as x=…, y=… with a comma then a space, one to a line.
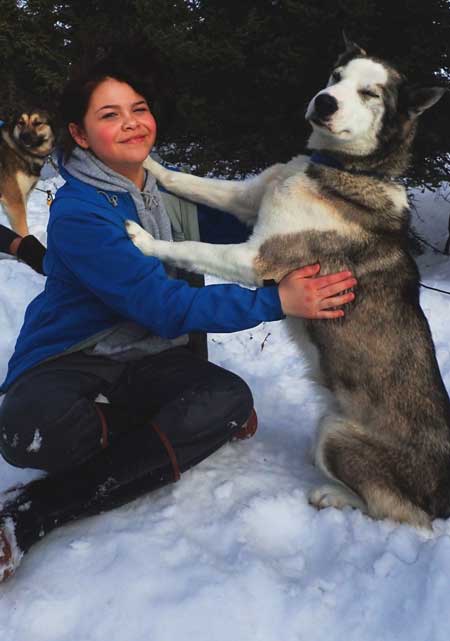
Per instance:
x=36, y=443
x=234, y=550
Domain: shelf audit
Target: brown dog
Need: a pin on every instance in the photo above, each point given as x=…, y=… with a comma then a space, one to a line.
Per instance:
x=25, y=143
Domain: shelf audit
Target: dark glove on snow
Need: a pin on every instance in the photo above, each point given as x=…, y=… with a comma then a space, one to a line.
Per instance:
x=7, y=235
x=32, y=252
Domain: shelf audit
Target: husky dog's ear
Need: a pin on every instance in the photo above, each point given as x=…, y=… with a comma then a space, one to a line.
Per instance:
x=352, y=47
x=422, y=98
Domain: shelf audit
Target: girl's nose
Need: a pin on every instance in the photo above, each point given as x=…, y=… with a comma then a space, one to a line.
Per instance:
x=129, y=121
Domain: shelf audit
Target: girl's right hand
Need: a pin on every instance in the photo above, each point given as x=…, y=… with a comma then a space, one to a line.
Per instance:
x=306, y=295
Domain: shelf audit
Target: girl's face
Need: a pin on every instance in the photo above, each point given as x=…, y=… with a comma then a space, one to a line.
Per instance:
x=118, y=128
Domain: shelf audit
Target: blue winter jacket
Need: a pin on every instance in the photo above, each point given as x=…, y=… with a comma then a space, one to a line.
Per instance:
x=97, y=278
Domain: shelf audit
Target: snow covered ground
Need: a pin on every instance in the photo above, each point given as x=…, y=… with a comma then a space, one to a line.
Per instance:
x=234, y=551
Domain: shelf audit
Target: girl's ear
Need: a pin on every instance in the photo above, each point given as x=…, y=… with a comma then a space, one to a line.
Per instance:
x=78, y=134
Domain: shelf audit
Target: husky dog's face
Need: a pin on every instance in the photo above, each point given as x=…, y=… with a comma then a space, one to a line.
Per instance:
x=349, y=111
x=33, y=132
x=366, y=104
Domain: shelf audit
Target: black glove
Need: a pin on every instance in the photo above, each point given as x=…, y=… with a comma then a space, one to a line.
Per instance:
x=32, y=252
x=7, y=235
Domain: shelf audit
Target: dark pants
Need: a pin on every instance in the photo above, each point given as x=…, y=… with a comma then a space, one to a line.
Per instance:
x=49, y=420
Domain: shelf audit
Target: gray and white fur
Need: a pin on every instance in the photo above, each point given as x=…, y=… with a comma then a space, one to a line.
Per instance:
x=385, y=444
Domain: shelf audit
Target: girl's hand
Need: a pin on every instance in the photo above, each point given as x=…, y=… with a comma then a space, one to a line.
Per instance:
x=304, y=294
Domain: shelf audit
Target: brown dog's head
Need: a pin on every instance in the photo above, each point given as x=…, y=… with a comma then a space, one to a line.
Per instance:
x=33, y=132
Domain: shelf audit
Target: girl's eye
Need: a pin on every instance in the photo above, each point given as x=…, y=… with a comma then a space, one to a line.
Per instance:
x=110, y=114
x=142, y=109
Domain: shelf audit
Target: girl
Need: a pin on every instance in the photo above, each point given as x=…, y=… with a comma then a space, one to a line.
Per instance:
x=112, y=325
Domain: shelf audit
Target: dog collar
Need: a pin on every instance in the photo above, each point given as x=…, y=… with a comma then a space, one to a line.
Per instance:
x=322, y=159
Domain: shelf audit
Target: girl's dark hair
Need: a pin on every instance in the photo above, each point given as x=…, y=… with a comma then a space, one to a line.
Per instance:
x=143, y=71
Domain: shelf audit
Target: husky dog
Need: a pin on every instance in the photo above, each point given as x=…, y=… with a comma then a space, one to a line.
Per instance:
x=385, y=444
x=25, y=144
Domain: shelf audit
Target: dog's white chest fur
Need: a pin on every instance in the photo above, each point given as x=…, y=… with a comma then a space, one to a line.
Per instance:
x=294, y=204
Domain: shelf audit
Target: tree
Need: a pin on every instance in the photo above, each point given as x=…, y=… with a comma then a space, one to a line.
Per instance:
x=32, y=60
x=244, y=70
x=258, y=64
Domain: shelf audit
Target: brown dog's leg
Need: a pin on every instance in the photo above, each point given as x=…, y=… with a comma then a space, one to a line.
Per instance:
x=16, y=213
x=14, y=205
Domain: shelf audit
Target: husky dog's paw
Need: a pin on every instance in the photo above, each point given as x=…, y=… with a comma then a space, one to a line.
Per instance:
x=334, y=495
x=155, y=168
x=141, y=238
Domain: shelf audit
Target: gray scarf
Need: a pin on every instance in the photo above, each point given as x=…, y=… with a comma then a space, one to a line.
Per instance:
x=150, y=208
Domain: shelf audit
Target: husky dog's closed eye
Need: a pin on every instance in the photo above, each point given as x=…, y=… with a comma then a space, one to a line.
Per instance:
x=25, y=142
x=385, y=445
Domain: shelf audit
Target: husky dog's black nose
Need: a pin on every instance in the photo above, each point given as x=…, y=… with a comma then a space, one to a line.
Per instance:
x=325, y=105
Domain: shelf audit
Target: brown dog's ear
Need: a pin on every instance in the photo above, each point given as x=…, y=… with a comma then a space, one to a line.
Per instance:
x=13, y=116
x=9, y=116
x=422, y=98
x=352, y=47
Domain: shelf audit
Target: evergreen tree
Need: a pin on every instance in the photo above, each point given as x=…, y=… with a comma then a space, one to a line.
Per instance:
x=243, y=70
x=259, y=63
x=32, y=60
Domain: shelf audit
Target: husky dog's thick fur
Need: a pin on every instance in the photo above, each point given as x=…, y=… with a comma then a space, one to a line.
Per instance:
x=385, y=444
x=25, y=143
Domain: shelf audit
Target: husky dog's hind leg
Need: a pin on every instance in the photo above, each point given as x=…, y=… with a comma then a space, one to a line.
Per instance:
x=364, y=474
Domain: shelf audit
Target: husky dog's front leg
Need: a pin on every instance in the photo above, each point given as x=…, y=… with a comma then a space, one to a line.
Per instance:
x=241, y=198
x=231, y=262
